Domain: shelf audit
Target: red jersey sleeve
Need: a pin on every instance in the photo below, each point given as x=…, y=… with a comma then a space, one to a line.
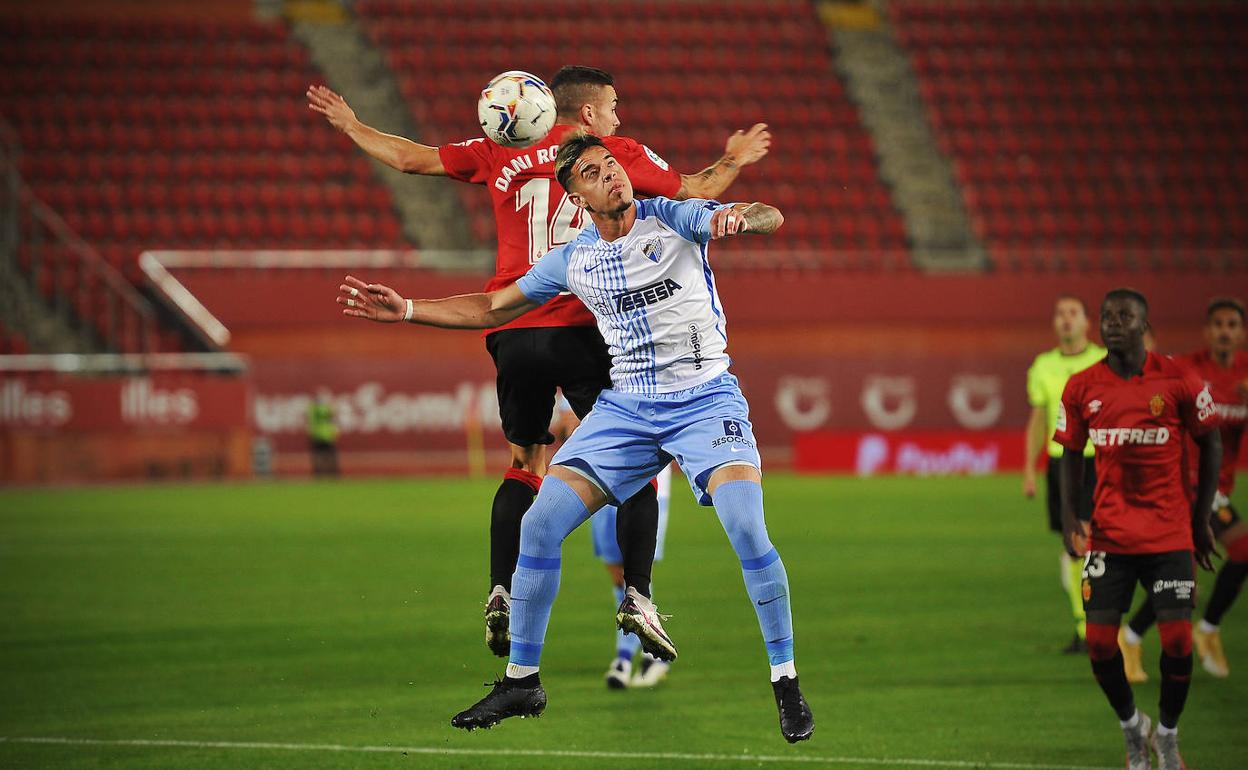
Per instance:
x=468, y=161
x=1072, y=428
x=650, y=174
x=1196, y=406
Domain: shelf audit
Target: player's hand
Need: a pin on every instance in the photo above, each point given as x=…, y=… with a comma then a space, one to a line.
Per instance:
x=1029, y=484
x=332, y=106
x=746, y=147
x=727, y=221
x=1076, y=538
x=371, y=300
x=1204, y=544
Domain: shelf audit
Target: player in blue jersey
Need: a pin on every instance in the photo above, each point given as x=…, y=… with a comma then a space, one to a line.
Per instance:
x=642, y=269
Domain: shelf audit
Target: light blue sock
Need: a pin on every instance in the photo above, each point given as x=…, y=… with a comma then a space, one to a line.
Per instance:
x=740, y=508
x=626, y=645
x=554, y=514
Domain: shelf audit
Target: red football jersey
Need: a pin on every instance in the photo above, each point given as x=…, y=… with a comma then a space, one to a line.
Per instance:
x=1138, y=427
x=1231, y=407
x=532, y=212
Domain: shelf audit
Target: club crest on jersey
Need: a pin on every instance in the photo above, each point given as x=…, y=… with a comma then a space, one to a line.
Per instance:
x=651, y=249
x=1156, y=405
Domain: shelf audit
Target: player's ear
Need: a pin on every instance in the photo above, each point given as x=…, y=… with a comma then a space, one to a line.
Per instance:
x=578, y=201
x=587, y=114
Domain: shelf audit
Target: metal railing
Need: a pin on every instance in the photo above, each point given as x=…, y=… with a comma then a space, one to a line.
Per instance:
x=71, y=276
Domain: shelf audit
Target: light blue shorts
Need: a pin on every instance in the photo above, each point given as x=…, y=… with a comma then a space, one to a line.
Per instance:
x=627, y=439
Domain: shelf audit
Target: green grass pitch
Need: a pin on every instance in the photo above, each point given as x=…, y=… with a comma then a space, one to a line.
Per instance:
x=928, y=620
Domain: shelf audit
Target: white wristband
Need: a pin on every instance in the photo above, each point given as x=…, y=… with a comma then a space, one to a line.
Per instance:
x=408, y=315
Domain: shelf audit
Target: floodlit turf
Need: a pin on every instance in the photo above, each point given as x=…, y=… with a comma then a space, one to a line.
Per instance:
x=928, y=622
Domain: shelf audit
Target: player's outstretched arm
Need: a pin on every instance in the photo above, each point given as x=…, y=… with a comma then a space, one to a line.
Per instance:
x=376, y=302
x=742, y=149
x=1070, y=478
x=740, y=218
x=1210, y=446
x=395, y=151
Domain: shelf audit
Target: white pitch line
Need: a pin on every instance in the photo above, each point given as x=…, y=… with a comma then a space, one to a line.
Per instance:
x=554, y=753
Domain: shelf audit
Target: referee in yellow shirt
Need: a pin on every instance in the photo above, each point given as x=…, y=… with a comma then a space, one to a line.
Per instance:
x=1046, y=379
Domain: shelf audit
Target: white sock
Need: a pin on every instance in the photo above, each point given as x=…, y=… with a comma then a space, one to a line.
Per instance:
x=519, y=672
x=1131, y=723
x=1163, y=730
x=783, y=669
x=1131, y=636
x=1206, y=627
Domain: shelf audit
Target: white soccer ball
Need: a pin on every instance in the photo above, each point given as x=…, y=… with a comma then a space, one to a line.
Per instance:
x=516, y=109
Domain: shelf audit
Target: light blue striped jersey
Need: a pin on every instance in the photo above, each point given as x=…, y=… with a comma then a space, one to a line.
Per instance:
x=652, y=293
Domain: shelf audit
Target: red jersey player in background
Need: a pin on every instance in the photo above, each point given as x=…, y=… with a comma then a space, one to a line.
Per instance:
x=558, y=345
x=1224, y=368
x=1138, y=408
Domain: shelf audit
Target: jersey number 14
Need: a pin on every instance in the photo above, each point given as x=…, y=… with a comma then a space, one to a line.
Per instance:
x=547, y=232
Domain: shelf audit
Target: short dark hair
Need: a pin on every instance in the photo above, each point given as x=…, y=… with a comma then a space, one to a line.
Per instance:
x=1072, y=298
x=572, y=86
x=1126, y=293
x=574, y=145
x=1224, y=303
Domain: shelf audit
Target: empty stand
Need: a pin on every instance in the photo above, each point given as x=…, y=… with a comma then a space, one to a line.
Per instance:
x=1087, y=135
x=688, y=74
x=167, y=134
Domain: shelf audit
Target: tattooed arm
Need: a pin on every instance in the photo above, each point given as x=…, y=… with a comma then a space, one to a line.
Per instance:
x=742, y=149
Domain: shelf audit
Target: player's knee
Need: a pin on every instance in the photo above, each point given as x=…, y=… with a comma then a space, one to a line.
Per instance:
x=1102, y=641
x=1237, y=550
x=1176, y=637
x=531, y=459
x=554, y=514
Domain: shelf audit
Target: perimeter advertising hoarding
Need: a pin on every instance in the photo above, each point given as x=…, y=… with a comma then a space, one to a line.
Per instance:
x=59, y=427
x=408, y=408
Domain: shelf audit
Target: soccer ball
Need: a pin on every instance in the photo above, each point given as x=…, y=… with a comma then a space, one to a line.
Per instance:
x=516, y=109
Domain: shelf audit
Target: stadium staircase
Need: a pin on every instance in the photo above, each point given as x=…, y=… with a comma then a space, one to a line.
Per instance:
x=689, y=73
x=1091, y=136
x=882, y=84
x=432, y=214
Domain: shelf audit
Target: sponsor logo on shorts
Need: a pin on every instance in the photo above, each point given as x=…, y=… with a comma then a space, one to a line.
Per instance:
x=1182, y=588
x=1125, y=436
x=1087, y=590
x=1225, y=515
x=1156, y=405
x=734, y=433
x=646, y=295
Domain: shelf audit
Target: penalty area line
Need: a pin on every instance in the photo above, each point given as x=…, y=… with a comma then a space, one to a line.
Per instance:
x=549, y=753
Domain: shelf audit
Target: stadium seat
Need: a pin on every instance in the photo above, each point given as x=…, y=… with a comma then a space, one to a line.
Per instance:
x=1100, y=127
x=682, y=91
